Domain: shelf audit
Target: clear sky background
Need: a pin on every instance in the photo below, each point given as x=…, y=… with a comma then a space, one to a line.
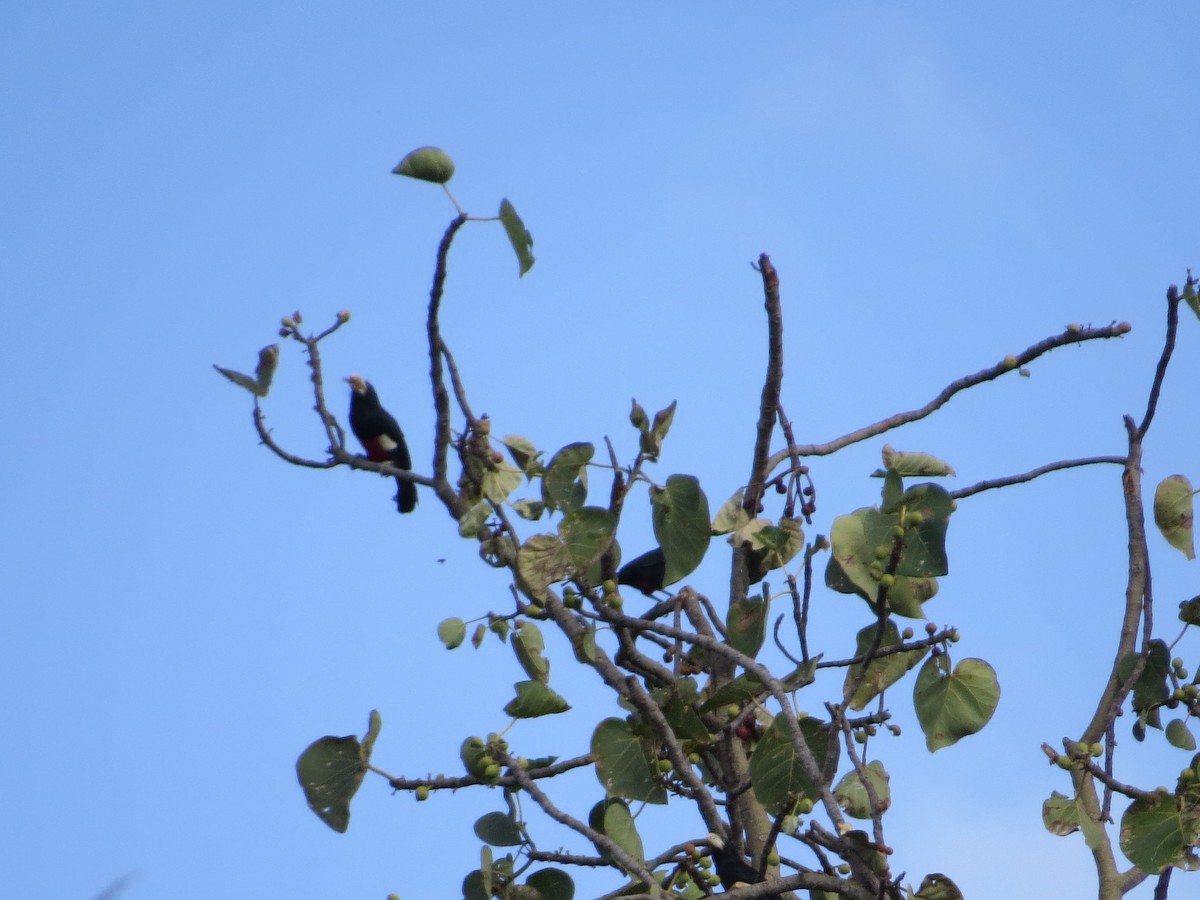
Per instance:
x=938, y=185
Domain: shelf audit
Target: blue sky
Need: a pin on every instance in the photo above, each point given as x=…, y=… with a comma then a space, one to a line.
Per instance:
x=938, y=186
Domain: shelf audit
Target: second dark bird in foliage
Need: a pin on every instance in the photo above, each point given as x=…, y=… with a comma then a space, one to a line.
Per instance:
x=380, y=436
x=646, y=573
x=732, y=869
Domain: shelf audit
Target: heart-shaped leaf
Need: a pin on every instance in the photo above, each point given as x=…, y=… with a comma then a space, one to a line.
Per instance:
x=952, y=705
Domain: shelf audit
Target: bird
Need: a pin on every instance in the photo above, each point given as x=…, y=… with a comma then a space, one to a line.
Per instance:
x=646, y=573
x=732, y=869
x=380, y=436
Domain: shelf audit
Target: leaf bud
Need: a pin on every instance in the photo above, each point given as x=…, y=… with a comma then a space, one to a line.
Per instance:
x=343, y=316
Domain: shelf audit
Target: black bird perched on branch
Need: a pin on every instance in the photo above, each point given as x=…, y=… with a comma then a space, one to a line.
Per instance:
x=732, y=869
x=646, y=573
x=380, y=436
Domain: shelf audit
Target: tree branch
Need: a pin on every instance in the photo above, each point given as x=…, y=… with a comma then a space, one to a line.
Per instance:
x=1072, y=335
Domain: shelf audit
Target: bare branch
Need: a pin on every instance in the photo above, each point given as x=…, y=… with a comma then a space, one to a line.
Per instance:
x=634, y=867
x=1072, y=335
x=1160, y=371
x=1005, y=481
x=441, y=399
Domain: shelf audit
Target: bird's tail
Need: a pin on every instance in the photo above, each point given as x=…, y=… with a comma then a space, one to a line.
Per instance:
x=406, y=496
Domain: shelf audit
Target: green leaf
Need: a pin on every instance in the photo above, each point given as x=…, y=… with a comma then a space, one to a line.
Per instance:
x=731, y=516
x=893, y=491
x=330, y=771
x=952, y=705
x=739, y=690
x=681, y=525
x=746, y=623
x=1189, y=294
x=655, y=433
x=498, y=829
x=1156, y=832
x=584, y=647
x=852, y=796
x=523, y=453
x=772, y=546
x=531, y=510
x=542, y=561
x=486, y=868
x=552, y=884
x=474, y=756
x=775, y=771
x=534, y=699
x=564, y=483
x=426, y=164
x=1151, y=689
x=1174, y=513
x=499, y=482
x=624, y=763
x=883, y=671
x=518, y=236
x=268, y=359
x=527, y=644
x=452, y=631
x=474, y=887
x=587, y=533
x=907, y=464
x=1189, y=611
x=638, y=417
x=925, y=546
x=677, y=709
x=472, y=520
x=1179, y=736
x=855, y=537
x=1060, y=815
x=611, y=818
x=499, y=626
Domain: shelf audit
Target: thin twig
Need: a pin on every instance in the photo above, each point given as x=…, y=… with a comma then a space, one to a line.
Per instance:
x=1005, y=481
x=634, y=867
x=1069, y=336
x=1160, y=371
